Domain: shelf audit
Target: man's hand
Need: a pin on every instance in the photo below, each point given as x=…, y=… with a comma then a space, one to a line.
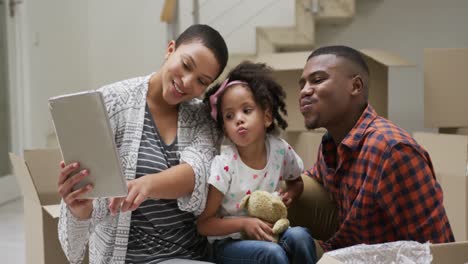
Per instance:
x=288, y=197
x=293, y=191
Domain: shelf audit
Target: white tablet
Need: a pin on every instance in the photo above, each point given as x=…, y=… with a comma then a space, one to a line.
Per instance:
x=84, y=134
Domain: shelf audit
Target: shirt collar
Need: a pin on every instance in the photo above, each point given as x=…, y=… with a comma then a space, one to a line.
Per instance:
x=353, y=138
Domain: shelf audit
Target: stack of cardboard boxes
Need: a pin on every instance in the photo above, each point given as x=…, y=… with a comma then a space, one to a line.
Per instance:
x=446, y=108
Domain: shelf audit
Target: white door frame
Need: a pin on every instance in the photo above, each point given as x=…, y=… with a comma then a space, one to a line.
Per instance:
x=17, y=78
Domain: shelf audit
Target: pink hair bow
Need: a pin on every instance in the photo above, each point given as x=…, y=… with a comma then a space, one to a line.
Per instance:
x=214, y=97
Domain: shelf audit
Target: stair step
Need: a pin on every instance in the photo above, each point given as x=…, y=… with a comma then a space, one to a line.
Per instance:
x=237, y=58
x=284, y=61
x=335, y=11
x=234, y=60
x=281, y=39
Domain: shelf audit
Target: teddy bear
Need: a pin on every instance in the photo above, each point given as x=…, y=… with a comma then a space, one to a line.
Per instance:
x=268, y=207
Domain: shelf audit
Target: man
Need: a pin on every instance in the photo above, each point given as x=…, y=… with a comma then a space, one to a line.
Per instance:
x=382, y=181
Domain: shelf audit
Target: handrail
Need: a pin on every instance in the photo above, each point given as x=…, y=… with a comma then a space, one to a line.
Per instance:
x=169, y=14
x=196, y=8
x=196, y=12
x=251, y=17
x=168, y=11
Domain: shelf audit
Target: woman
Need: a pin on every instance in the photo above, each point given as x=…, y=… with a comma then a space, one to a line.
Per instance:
x=166, y=143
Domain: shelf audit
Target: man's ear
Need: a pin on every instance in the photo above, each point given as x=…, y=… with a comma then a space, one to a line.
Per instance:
x=171, y=47
x=357, y=85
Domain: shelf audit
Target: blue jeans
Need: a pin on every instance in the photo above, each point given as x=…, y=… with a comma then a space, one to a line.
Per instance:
x=296, y=245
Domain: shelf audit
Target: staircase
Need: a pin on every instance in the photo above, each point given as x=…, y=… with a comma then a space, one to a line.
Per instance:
x=301, y=36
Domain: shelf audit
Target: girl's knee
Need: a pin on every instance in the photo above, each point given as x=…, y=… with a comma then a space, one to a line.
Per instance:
x=275, y=253
x=298, y=232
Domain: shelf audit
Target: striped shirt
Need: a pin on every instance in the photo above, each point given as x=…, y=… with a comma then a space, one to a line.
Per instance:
x=159, y=230
x=384, y=185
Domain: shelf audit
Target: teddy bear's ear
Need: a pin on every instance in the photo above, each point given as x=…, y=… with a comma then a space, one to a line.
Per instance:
x=245, y=202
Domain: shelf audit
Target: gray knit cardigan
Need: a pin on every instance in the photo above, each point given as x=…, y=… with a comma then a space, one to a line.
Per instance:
x=197, y=142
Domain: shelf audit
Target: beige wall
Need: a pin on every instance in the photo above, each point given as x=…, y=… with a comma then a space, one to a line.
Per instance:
x=405, y=27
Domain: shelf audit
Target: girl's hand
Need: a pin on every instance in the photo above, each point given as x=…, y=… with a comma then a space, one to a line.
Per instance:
x=257, y=229
x=80, y=208
x=138, y=192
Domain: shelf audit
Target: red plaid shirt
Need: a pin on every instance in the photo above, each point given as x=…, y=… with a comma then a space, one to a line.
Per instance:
x=384, y=185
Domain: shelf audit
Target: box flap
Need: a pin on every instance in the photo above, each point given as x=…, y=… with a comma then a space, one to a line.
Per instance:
x=456, y=252
x=53, y=210
x=449, y=155
x=445, y=87
x=44, y=168
x=24, y=178
x=285, y=61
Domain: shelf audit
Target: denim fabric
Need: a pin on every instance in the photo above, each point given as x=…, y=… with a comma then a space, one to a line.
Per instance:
x=295, y=246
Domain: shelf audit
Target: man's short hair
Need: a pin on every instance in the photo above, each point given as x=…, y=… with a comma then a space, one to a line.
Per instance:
x=348, y=53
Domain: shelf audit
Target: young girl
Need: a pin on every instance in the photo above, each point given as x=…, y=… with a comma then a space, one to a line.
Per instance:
x=247, y=107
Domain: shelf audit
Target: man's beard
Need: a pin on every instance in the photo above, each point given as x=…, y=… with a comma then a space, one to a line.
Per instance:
x=312, y=124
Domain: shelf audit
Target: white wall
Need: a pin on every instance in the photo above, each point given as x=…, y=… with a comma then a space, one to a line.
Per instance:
x=82, y=45
x=126, y=39
x=406, y=28
x=57, y=46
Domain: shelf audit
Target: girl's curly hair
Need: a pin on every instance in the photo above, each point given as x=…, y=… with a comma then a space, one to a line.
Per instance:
x=267, y=93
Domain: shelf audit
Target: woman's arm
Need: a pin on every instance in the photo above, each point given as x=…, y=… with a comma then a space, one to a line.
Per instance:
x=172, y=183
x=209, y=224
x=187, y=182
x=202, y=144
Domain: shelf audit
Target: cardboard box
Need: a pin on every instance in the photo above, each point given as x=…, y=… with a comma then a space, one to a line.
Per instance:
x=447, y=253
x=454, y=130
x=288, y=70
x=452, y=253
x=37, y=176
x=449, y=154
x=306, y=145
x=445, y=87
